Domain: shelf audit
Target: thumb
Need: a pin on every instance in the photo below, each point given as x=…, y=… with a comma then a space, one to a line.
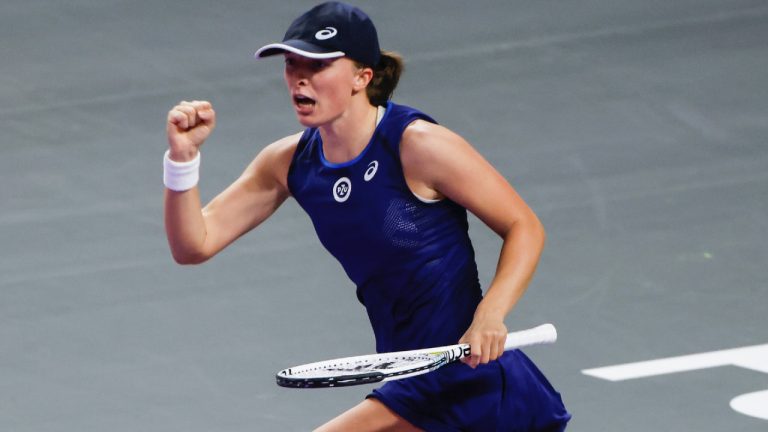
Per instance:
x=208, y=116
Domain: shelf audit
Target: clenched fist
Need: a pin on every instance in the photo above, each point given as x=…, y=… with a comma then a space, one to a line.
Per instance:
x=189, y=125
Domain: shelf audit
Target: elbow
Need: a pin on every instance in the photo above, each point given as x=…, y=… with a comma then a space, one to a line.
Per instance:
x=186, y=258
x=188, y=253
x=537, y=231
x=541, y=232
x=186, y=261
x=529, y=228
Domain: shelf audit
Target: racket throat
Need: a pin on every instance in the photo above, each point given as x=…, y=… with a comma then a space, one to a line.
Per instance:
x=458, y=352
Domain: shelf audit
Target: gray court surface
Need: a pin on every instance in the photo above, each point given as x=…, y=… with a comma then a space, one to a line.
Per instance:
x=635, y=129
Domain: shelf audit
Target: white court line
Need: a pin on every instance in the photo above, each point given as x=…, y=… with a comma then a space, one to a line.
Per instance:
x=752, y=404
x=753, y=357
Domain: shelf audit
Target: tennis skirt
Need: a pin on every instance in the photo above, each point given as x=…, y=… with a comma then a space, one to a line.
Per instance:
x=509, y=394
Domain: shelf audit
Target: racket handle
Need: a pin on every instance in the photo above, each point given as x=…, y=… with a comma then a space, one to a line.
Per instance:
x=543, y=334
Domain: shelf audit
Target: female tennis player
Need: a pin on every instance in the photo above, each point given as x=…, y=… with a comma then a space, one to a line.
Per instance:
x=387, y=190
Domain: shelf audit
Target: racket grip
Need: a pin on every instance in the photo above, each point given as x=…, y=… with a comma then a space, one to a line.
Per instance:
x=543, y=334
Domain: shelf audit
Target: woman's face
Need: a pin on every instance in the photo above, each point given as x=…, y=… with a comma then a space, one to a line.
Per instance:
x=320, y=89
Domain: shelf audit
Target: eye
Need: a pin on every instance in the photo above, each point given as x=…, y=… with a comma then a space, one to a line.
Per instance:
x=320, y=64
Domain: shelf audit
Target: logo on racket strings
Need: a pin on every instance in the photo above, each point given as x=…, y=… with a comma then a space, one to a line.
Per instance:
x=341, y=189
x=371, y=171
x=326, y=33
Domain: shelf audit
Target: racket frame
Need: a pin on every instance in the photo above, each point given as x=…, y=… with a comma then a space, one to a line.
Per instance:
x=434, y=358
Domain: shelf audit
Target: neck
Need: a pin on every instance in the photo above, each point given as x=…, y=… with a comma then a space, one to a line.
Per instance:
x=345, y=137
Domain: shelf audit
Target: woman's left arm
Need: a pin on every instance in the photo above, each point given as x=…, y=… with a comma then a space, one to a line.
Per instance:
x=439, y=163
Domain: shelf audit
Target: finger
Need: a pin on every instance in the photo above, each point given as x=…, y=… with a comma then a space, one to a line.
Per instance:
x=197, y=105
x=496, y=346
x=476, y=351
x=201, y=105
x=466, y=359
x=205, y=111
x=472, y=361
x=179, y=119
x=191, y=114
x=500, y=347
x=464, y=340
x=486, y=351
x=493, y=350
x=206, y=115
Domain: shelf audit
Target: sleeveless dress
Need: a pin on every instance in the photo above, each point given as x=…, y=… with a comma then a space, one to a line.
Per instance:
x=414, y=267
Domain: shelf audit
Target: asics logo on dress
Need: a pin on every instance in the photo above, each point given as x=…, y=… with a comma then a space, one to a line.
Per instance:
x=342, y=189
x=326, y=33
x=371, y=171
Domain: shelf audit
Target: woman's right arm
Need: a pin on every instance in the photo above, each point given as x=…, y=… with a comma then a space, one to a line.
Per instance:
x=195, y=234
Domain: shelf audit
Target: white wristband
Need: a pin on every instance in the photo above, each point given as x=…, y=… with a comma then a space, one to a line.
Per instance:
x=180, y=176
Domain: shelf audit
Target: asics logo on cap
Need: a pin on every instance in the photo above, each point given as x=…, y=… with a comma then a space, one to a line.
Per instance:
x=326, y=33
x=341, y=189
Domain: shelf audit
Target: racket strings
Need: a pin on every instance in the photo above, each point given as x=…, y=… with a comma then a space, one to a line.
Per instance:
x=391, y=366
x=385, y=364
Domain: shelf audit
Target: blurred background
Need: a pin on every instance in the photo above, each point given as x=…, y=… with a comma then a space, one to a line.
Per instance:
x=636, y=131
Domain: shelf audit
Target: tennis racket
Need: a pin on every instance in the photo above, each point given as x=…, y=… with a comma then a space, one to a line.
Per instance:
x=374, y=368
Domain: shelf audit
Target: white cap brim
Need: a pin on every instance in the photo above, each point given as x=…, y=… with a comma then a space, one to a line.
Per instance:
x=279, y=48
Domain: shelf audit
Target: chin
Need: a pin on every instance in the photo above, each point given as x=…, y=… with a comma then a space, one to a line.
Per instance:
x=307, y=122
x=313, y=120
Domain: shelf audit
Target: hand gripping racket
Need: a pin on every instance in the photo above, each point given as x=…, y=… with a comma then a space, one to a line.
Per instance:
x=373, y=368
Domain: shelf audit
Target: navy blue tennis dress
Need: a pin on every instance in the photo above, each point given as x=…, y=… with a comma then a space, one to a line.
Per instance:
x=414, y=267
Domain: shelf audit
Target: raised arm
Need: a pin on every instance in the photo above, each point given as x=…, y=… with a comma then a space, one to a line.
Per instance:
x=195, y=234
x=438, y=163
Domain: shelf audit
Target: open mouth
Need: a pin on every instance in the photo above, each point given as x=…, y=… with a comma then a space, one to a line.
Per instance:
x=303, y=101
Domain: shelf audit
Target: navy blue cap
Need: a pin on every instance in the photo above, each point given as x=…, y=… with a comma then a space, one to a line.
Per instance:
x=330, y=30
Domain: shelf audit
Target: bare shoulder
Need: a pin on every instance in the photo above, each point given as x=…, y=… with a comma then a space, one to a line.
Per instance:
x=274, y=160
x=428, y=146
x=432, y=156
x=282, y=149
x=422, y=141
x=439, y=162
x=421, y=132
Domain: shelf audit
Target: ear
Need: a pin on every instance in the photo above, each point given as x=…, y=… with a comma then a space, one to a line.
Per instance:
x=363, y=76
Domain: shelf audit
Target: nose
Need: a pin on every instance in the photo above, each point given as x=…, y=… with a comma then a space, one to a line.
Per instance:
x=297, y=78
